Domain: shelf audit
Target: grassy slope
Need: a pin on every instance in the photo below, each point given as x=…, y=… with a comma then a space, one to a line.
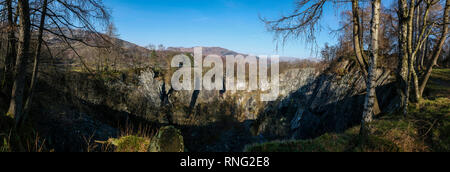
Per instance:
x=427, y=128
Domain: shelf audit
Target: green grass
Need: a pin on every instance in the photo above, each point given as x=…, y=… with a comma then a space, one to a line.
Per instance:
x=167, y=139
x=432, y=120
x=442, y=74
x=130, y=144
x=5, y=124
x=4, y=145
x=439, y=84
x=426, y=129
x=389, y=136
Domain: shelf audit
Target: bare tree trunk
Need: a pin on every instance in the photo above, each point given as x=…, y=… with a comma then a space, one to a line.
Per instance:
x=16, y=104
x=34, y=77
x=10, y=58
x=419, y=26
x=424, y=53
x=412, y=41
x=419, y=39
x=438, y=49
x=356, y=37
x=402, y=70
x=371, y=82
x=415, y=83
x=357, y=45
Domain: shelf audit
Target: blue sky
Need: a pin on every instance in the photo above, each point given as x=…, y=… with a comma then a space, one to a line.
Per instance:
x=231, y=24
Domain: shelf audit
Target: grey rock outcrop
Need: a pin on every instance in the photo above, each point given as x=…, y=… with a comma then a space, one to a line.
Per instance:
x=333, y=102
x=310, y=103
x=168, y=139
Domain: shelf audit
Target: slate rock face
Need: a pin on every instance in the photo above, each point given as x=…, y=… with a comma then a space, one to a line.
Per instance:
x=151, y=88
x=332, y=102
x=310, y=103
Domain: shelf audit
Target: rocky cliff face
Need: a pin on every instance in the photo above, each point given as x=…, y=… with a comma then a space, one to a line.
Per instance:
x=310, y=104
x=332, y=102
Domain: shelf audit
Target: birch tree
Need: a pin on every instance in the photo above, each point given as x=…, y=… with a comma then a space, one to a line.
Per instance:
x=371, y=81
x=438, y=49
x=358, y=48
x=411, y=40
x=403, y=67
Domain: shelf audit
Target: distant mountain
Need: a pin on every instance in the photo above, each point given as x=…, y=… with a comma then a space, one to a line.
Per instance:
x=224, y=52
x=207, y=51
x=294, y=59
x=288, y=59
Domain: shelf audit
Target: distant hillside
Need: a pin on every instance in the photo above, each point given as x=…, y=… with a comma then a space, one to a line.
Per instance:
x=129, y=55
x=206, y=51
x=224, y=52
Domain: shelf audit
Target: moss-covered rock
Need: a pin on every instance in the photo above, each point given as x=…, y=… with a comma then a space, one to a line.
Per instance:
x=168, y=139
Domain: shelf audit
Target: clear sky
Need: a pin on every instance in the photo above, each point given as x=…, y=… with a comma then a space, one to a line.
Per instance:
x=231, y=24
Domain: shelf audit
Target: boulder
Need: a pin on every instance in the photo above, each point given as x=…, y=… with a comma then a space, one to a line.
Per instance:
x=168, y=139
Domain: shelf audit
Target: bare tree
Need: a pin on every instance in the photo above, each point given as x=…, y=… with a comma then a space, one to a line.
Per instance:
x=17, y=96
x=10, y=58
x=35, y=73
x=357, y=41
x=69, y=20
x=371, y=81
x=403, y=67
x=359, y=50
x=116, y=45
x=328, y=52
x=161, y=47
x=302, y=24
x=151, y=47
x=438, y=49
x=107, y=56
x=411, y=41
x=416, y=40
